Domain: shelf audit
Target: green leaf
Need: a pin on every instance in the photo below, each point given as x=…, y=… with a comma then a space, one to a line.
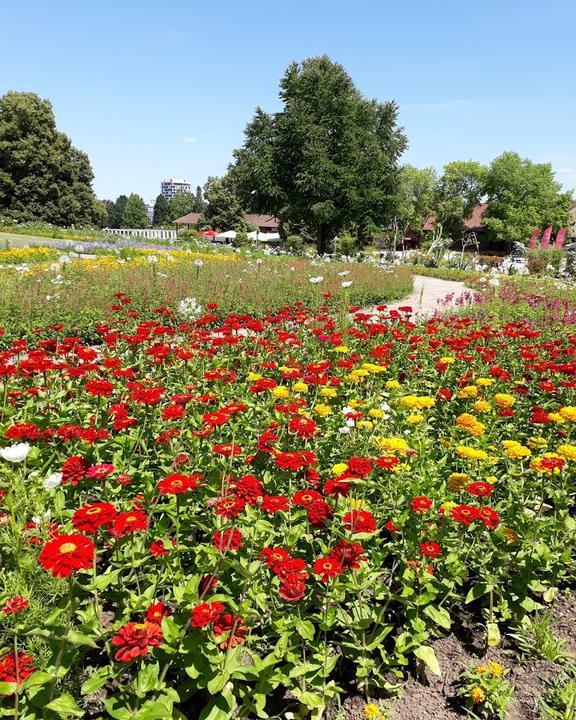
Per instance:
x=147, y=678
x=155, y=710
x=7, y=688
x=75, y=637
x=310, y=700
x=222, y=707
x=493, y=634
x=305, y=629
x=65, y=705
x=96, y=681
x=438, y=615
x=428, y=657
x=477, y=591
x=217, y=683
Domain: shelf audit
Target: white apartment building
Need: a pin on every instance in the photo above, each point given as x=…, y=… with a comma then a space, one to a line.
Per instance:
x=169, y=188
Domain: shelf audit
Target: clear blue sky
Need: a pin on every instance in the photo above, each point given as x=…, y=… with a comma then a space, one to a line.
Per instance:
x=152, y=90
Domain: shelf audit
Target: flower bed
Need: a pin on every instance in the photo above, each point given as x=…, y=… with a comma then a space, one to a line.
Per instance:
x=76, y=293
x=232, y=514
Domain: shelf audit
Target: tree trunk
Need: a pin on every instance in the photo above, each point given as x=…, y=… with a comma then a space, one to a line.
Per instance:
x=321, y=239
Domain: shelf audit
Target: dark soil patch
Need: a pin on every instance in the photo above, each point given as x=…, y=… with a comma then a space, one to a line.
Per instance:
x=433, y=698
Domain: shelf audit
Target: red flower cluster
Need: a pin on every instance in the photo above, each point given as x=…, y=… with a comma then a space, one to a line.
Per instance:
x=134, y=640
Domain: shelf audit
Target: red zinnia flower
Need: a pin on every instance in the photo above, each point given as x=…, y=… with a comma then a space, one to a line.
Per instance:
x=248, y=488
x=156, y=612
x=292, y=588
x=274, y=556
x=274, y=503
x=227, y=449
x=359, y=521
x=134, y=640
x=15, y=667
x=233, y=627
x=349, y=554
x=99, y=388
x=465, y=514
x=127, y=522
x=430, y=549
x=304, y=498
x=227, y=540
x=327, y=568
x=177, y=483
x=74, y=470
x=489, y=517
x=89, y=518
x=66, y=554
x=303, y=427
x=480, y=488
x=359, y=467
x=387, y=462
x=206, y=613
x=157, y=549
x=318, y=511
x=229, y=506
x=99, y=472
x=421, y=504
x=15, y=605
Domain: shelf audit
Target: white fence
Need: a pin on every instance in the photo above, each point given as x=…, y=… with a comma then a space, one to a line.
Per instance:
x=148, y=233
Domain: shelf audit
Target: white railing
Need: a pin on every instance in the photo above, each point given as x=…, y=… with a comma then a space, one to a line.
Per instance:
x=148, y=233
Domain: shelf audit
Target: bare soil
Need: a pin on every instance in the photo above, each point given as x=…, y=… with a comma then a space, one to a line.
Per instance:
x=433, y=699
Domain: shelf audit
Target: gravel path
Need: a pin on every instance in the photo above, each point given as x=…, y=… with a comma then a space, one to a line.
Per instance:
x=427, y=291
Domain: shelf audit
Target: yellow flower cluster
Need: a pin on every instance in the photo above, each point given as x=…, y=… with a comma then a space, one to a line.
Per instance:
x=417, y=402
x=471, y=424
x=568, y=452
x=515, y=450
x=470, y=391
x=458, y=481
x=568, y=413
x=504, y=400
x=469, y=453
x=393, y=445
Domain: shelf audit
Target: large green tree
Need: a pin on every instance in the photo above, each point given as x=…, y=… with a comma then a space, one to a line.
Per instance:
x=183, y=203
x=42, y=175
x=224, y=210
x=116, y=211
x=161, y=211
x=522, y=196
x=327, y=160
x=460, y=188
x=414, y=200
x=135, y=215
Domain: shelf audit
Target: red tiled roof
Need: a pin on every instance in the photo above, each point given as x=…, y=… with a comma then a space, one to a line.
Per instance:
x=474, y=222
x=190, y=219
x=265, y=221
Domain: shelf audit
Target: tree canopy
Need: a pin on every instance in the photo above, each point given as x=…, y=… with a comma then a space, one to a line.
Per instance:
x=161, y=210
x=135, y=214
x=327, y=160
x=522, y=196
x=183, y=203
x=460, y=188
x=223, y=210
x=42, y=175
x=414, y=199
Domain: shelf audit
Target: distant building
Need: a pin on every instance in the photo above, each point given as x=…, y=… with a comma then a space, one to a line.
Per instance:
x=169, y=188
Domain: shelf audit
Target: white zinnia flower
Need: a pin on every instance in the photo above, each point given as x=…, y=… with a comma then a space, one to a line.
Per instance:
x=52, y=481
x=316, y=280
x=346, y=284
x=199, y=263
x=15, y=453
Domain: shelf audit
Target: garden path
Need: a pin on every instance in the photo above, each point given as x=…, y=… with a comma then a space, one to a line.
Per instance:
x=427, y=291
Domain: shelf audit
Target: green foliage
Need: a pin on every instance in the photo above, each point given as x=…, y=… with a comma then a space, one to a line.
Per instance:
x=485, y=692
x=224, y=210
x=545, y=262
x=135, y=215
x=116, y=211
x=327, y=160
x=42, y=175
x=559, y=701
x=536, y=638
x=161, y=211
x=295, y=245
x=523, y=195
x=346, y=245
x=183, y=203
x=459, y=190
x=415, y=198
